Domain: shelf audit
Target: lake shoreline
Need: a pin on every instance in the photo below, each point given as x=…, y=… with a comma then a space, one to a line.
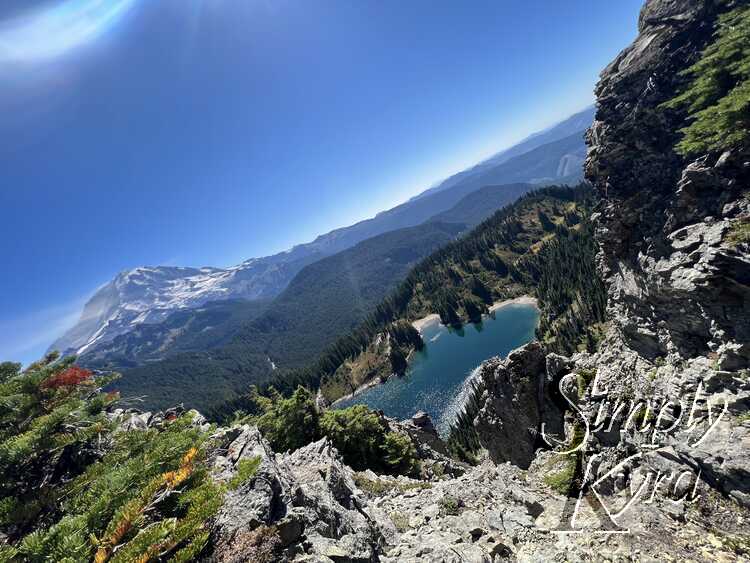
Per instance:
x=429, y=320
x=361, y=389
x=424, y=322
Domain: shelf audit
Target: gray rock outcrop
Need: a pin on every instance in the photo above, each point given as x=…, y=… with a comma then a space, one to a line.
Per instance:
x=678, y=330
x=307, y=499
x=678, y=286
x=516, y=399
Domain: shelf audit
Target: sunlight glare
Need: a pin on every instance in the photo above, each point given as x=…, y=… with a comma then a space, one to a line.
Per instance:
x=53, y=31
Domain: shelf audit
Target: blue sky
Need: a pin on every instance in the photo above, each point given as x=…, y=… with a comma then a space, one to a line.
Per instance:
x=205, y=132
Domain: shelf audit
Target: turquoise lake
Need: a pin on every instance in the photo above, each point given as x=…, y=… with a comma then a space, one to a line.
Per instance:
x=439, y=374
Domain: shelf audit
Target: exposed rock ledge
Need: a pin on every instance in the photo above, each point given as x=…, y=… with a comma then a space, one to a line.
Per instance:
x=316, y=509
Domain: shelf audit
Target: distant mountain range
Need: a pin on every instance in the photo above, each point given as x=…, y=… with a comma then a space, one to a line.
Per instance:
x=571, y=126
x=481, y=204
x=147, y=296
x=325, y=300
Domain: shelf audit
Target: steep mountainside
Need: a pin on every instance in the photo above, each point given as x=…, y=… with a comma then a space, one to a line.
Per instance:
x=326, y=299
x=539, y=165
x=633, y=450
x=148, y=295
x=213, y=324
x=673, y=229
x=540, y=245
x=665, y=398
x=481, y=204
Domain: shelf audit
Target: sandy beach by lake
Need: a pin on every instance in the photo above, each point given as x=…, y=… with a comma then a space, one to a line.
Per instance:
x=421, y=324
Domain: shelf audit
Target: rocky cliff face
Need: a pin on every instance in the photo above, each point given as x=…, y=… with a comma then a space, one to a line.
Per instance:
x=671, y=375
x=676, y=286
x=655, y=422
x=679, y=285
x=309, y=506
x=518, y=397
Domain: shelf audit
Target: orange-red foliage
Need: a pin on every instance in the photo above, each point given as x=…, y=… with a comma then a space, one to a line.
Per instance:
x=67, y=378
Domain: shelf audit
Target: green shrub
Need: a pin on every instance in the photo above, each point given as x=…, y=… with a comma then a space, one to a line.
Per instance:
x=375, y=487
x=450, y=506
x=739, y=233
x=562, y=481
x=73, y=489
x=362, y=438
x=400, y=455
x=288, y=424
x=246, y=468
x=358, y=434
x=717, y=98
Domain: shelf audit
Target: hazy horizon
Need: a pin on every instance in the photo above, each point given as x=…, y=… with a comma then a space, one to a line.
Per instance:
x=239, y=131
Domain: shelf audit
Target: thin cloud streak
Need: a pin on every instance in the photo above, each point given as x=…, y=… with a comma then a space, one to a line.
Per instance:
x=50, y=32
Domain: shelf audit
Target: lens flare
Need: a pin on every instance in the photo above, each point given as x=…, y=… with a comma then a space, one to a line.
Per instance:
x=50, y=32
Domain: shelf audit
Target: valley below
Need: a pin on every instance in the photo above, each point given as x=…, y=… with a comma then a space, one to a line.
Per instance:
x=485, y=373
x=439, y=376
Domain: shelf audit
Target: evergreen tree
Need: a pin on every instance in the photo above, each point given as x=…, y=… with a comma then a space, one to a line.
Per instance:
x=290, y=423
x=74, y=489
x=717, y=96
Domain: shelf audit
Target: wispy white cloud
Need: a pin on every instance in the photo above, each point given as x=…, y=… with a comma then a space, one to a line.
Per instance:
x=25, y=338
x=51, y=31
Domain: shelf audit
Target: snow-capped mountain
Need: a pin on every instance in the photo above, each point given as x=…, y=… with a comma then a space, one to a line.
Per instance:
x=150, y=294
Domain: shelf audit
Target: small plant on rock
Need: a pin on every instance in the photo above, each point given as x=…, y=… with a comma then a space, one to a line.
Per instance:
x=450, y=506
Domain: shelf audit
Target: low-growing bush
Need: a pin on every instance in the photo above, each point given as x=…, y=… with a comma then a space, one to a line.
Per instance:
x=77, y=487
x=364, y=441
x=288, y=423
x=450, y=506
x=360, y=435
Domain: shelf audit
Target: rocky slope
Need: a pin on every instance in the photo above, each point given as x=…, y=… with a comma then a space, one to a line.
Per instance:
x=326, y=512
x=678, y=284
x=650, y=433
x=672, y=471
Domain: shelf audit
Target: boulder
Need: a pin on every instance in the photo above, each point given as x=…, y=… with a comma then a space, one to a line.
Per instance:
x=517, y=399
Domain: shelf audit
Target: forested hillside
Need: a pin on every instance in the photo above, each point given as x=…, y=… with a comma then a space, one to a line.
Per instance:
x=481, y=204
x=557, y=161
x=232, y=349
x=325, y=300
x=541, y=245
x=215, y=323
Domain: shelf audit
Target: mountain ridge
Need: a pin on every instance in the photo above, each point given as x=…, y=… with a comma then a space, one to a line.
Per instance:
x=214, y=323
x=579, y=121
x=147, y=295
x=318, y=306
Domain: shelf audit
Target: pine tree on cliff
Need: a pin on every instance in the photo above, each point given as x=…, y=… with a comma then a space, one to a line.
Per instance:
x=717, y=97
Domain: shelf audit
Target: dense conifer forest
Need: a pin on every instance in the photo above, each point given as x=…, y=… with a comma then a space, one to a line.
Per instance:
x=542, y=245
x=325, y=300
